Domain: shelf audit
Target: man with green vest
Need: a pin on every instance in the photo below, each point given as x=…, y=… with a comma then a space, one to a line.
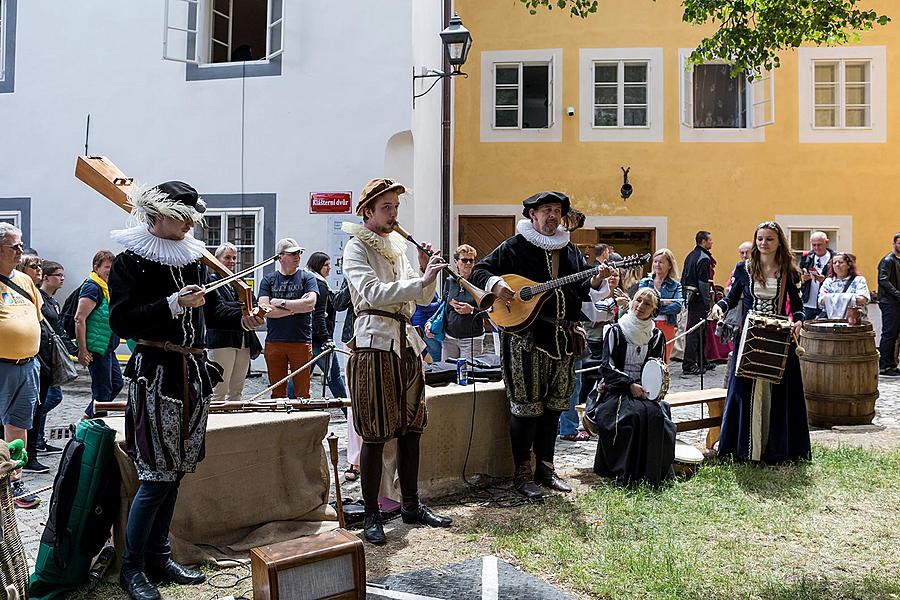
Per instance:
x=96, y=341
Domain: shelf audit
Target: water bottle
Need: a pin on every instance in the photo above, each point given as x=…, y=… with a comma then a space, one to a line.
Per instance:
x=104, y=559
x=462, y=371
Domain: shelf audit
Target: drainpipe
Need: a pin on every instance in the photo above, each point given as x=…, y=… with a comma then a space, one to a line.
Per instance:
x=446, y=250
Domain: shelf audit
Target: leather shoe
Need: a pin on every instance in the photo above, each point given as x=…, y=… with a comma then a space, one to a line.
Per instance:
x=524, y=483
x=174, y=572
x=137, y=586
x=424, y=516
x=546, y=476
x=373, y=529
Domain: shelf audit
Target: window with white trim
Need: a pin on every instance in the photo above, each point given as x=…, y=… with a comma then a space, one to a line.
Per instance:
x=203, y=32
x=799, y=238
x=521, y=93
x=621, y=94
x=13, y=217
x=842, y=97
x=842, y=94
x=241, y=227
x=713, y=101
x=2, y=39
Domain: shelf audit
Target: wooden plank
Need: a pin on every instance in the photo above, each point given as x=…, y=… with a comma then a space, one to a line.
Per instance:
x=698, y=423
x=696, y=397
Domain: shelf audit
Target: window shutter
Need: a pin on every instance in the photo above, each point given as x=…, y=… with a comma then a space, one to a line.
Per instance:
x=550, y=77
x=687, y=91
x=762, y=102
x=221, y=40
x=275, y=29
x=180, y=31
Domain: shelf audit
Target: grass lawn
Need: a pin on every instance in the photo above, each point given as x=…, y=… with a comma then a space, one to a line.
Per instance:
x=829, y=529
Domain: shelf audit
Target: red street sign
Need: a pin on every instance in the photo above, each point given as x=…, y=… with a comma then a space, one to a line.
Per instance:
x=330, y=202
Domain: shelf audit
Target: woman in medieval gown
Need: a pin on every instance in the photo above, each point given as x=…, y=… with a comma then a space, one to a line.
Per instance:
x=636, y=435
x=763, y=421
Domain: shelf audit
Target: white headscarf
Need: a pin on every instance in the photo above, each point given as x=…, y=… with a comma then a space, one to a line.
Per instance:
x=637, y=332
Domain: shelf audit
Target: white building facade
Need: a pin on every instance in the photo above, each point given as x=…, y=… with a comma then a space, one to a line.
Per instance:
x=323, y=105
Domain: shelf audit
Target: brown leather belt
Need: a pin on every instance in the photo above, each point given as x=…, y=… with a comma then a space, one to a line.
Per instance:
x=17, y=361
x=170, y=347
x=402, y=320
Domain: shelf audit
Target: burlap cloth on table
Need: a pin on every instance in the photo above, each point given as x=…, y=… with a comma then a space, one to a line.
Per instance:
x=265, y=479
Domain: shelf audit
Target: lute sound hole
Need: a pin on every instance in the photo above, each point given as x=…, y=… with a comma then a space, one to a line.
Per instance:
x=525, y=294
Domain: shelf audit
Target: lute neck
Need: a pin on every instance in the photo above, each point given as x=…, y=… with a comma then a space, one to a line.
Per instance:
x=574, y=277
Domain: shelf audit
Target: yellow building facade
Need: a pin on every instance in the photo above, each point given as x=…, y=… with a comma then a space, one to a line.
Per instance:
x=554, y=102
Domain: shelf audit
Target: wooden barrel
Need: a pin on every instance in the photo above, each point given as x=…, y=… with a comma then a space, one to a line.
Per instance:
x=840, y=372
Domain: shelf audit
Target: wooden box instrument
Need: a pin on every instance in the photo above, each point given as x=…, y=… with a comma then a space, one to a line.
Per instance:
x=328, y=566
x=764, y=347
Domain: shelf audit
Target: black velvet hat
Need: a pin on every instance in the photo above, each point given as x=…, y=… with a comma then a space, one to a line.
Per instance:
x=546, y=198
x=183, y=193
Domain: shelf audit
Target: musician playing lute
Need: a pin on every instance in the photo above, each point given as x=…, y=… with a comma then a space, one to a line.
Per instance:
x=156, y=299
x=539, y=361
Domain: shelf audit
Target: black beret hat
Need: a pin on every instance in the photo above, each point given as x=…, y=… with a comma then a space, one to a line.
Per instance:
x=546, y=198
x=181, y=192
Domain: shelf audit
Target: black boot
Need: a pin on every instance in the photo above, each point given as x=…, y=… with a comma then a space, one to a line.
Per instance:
x=424, y=516
x=523, y=482
x=373, y=529
x=137, y=586
x=546, y=476
x=169, y=570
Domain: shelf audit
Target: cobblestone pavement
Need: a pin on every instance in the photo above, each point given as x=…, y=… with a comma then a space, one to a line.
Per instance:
x=570, y=455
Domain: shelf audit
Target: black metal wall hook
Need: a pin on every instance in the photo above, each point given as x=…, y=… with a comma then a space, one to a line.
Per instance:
x=627, y=189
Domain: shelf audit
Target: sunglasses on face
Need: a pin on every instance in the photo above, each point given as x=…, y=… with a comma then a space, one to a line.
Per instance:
x=468, y=261
x=15, y=247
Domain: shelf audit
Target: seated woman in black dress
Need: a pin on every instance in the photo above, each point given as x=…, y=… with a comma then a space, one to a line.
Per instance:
x=636, y=435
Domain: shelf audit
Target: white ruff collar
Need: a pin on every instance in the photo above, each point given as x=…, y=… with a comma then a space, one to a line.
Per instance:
x=391, y=247
x=173, y=253
x=637, y=332
x=546, y=242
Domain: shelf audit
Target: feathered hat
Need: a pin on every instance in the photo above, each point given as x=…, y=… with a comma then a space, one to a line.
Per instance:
x=174, y=199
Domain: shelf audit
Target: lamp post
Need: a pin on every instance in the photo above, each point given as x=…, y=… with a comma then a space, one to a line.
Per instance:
x=456, y=41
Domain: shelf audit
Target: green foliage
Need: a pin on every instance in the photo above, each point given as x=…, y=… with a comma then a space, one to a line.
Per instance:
x=751, y=33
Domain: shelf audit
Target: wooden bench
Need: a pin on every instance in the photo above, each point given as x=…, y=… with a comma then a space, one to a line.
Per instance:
x=713, y=398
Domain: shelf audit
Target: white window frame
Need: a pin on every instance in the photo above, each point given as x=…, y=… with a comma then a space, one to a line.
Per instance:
x=760, y=96
x=3, y=4
x=553, y=132
x=193, y=45
x=876, y=132
x=258, y=214
x=842, y=224
x=16, y=217
x=653, y=131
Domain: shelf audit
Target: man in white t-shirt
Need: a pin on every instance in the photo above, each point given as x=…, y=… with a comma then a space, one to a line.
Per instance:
x=815, y=266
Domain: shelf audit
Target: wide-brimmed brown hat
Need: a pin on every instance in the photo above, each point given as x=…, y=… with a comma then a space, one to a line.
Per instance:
x=375, y=188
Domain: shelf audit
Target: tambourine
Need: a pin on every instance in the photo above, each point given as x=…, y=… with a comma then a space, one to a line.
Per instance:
x=655, y=379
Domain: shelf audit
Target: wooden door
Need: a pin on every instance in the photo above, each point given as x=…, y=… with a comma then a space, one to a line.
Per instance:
x=485, y=233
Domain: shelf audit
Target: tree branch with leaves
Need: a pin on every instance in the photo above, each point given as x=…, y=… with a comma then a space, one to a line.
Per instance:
x=751, y=33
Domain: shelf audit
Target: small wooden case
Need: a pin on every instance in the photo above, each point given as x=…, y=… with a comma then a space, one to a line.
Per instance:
x=326, y=566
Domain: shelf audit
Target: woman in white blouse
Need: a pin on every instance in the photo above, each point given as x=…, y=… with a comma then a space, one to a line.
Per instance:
x=846, y=293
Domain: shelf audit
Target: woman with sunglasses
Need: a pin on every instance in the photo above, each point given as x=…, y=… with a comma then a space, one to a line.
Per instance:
x=463, y=324
x=765, y=421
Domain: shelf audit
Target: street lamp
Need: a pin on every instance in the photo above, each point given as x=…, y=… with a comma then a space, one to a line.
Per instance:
x=457, y=41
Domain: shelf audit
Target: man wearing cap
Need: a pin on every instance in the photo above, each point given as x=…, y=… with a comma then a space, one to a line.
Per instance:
x=156, y=298
x=385, y=372
x=292, y=292
x=539, y=362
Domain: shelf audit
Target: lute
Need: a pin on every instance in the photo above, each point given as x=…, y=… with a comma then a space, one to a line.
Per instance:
x=531, y=295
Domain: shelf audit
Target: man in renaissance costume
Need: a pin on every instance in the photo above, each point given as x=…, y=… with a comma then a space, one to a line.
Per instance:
x=539, y=362
x=157, y=300
x=385, y=372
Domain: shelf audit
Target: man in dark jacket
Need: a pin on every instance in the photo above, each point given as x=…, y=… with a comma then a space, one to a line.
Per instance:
x=538, y=362
x=695, y=279
x=889, y=303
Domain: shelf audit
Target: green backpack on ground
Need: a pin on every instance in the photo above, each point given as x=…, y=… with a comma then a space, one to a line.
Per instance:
x=82, y=508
